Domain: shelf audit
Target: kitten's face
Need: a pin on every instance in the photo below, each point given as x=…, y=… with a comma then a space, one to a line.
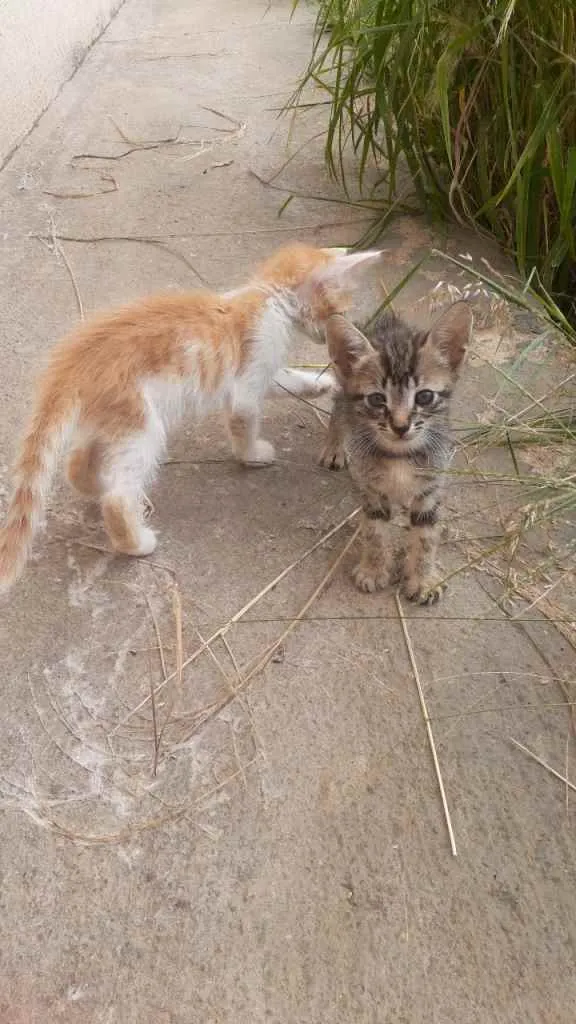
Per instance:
x=399, y=384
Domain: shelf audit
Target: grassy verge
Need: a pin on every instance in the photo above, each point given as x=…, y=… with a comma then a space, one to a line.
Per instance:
x=475, y=99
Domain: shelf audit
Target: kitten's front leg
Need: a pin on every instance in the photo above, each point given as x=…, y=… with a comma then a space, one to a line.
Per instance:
x=419, y=576
x=373, y=570
x=333, y=456
x=246, y=445
x=292, y=381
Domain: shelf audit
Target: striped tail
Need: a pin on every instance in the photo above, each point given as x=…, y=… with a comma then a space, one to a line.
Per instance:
x=33, y=475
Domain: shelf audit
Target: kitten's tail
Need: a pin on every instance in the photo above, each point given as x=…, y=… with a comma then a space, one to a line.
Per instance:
x=33, y=473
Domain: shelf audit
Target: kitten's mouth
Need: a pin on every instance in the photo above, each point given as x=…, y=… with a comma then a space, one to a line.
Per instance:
x=395, y=438
x=406, y=444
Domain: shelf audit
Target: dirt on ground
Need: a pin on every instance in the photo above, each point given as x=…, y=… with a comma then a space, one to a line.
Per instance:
x=239, y=846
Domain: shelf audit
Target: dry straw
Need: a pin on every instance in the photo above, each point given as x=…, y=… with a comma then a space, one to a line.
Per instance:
x=539, y=760
x=221, y=632
x=262, y=660
x=427, y=722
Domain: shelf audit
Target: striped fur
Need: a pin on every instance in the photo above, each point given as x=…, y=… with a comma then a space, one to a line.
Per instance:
x=390, y=423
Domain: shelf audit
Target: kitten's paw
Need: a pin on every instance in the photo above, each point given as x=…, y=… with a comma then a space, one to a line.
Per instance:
x=368, y=579
x=333, y=456
x=147, y=542
x=262, y=453
x=423, y=593
x=325, y=383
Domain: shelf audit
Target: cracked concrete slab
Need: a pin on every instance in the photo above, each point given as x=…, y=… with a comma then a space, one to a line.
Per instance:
x=286, y=858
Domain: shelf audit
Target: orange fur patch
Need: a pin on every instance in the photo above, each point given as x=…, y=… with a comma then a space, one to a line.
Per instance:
x=121, y=524
x=83, y=469
x=95, y=376
x=290, y=266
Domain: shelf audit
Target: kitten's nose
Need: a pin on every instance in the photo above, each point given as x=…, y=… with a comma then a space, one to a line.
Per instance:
x=400, y=428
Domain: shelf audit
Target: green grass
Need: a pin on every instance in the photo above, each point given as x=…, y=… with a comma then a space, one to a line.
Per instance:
x=473, y=102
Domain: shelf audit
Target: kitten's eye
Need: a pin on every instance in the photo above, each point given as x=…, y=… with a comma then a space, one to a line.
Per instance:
x=424, y=397
x=376, y=400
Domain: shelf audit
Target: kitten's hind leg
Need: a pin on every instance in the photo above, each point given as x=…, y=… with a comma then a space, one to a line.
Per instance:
x=83, y=468
x=124, y=524
x=127, y=468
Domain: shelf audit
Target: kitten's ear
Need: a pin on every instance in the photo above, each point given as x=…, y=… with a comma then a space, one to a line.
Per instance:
x=347, y=345
x=452, y=333
x=338, y=271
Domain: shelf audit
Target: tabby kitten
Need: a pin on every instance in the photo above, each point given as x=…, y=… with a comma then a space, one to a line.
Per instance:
x=390, y=422
x=113, y=389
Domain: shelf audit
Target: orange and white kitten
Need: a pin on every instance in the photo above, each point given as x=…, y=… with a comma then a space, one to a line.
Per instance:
x=115, y=386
